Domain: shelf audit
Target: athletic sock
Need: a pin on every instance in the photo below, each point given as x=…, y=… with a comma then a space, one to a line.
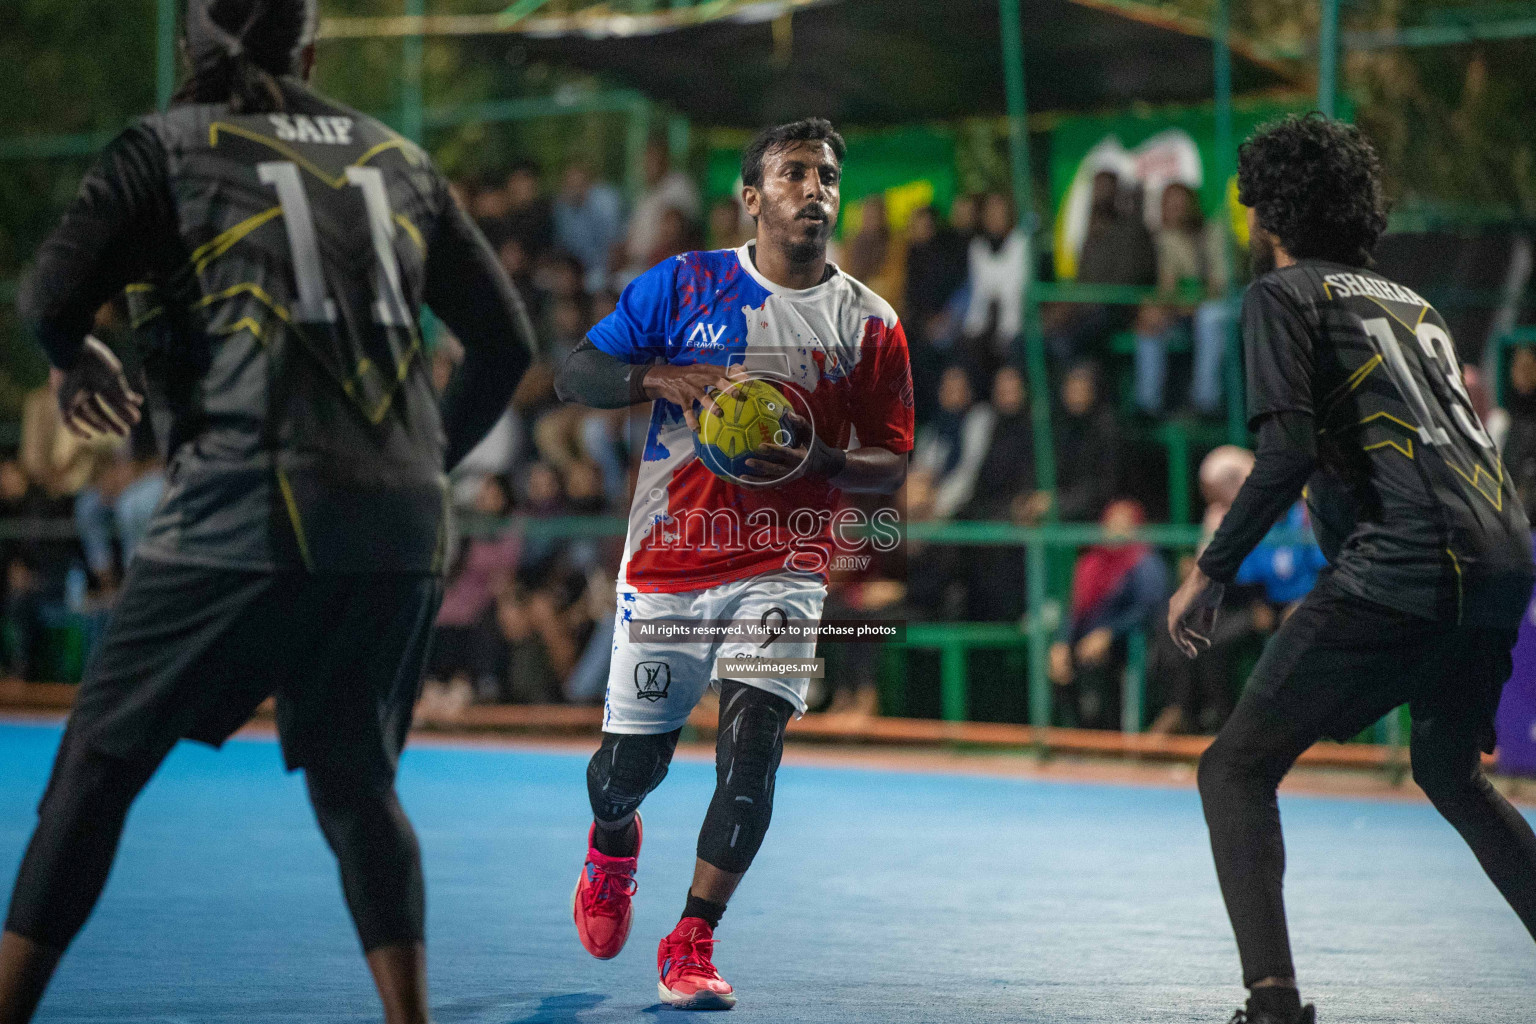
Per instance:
x=707, y=911
x=1277, y=1001
x=615, y=842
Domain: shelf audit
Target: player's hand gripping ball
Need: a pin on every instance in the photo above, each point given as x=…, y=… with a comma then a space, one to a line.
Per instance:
x=752, y=414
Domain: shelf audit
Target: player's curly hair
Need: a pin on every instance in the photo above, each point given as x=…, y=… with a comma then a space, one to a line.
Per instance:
x=1315, y=184
x=810, y=129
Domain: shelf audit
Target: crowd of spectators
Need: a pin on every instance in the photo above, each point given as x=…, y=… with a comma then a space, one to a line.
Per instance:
x=528, y=614
x=59, y=584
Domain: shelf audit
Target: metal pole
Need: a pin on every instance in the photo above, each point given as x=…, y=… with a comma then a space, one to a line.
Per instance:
x=413, y=56
x=1011, y=22
x=636, y=136
x=1039, y=626
x=165, y=52
x=1328, y=59
x=1225, y=167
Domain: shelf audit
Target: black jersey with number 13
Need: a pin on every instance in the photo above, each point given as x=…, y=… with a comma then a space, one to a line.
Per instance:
x=1410, y=500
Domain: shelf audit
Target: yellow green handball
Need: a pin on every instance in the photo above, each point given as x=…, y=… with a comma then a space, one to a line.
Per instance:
x=751, y=415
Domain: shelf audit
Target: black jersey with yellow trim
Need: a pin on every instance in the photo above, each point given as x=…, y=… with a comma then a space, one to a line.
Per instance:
x=1410, y=492
x=280, y=262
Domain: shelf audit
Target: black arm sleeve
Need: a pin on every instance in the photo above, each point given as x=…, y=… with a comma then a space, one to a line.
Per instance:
x=594, y=378
x=468, y=289
x=121, y=213
x=1286, y=456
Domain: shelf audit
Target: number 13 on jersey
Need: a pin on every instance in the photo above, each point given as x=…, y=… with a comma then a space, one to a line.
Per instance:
x=1439, y=356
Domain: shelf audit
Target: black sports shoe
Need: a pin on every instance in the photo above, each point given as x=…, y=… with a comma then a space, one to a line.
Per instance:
x=1308, y=1015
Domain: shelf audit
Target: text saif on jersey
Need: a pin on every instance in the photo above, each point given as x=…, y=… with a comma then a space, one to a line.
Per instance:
x=329, y=129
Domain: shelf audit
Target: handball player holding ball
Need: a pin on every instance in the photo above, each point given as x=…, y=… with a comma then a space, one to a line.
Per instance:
x=729, y=336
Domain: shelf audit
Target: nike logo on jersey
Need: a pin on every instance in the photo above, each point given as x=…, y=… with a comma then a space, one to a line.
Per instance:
x=329, y=130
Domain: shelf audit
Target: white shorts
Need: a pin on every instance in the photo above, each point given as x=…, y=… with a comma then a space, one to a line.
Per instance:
x=652, y=687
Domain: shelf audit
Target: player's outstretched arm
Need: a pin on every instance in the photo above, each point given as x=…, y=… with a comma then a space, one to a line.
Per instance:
x=1286, y=456
x=591, y=377
x=468, y=289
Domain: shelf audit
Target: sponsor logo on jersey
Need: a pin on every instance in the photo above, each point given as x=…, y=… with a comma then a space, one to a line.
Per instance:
x=329, y=130
x=706, y=335
x=652, y=680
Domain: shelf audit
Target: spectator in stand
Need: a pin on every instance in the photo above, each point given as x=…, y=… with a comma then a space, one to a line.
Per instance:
x=589, y=223
x=1088, y=448
x=463, y=666
x=937, y=264
x=997, y=261
x=676, y=235
x=874, y=255
x=1285, y=566
x=488, y=206
x=1222, y=473
x=558, y=276
x=557, y=425
x=1189, y=254
x=1007, y=470
x=965, y=217
x=1520, y=437
x=518, y=262
x=1200, y=693
x=729, y=225
x=967, y=583
x=1118, y=249
x=537, y=649
x=34, y=572
x=53, y=458
x=117, y=506
x=951, y=447
x=496, y=453
x=854, y=690
x=1117, y=588
x=666, y=190
x=529, y=218
x=936, y=268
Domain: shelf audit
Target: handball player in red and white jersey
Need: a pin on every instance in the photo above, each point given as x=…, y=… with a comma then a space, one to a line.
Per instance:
x=754, y=548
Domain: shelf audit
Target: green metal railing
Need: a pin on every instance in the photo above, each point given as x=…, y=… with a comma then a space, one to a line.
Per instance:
x=953, y=640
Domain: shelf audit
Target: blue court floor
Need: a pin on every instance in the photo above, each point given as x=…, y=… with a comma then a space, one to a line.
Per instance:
x=879, y=897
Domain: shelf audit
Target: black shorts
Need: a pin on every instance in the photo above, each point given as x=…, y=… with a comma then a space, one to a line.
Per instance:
x=190, y=652
x=1340, y=662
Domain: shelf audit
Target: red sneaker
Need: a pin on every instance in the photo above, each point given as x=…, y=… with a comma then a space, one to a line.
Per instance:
x=601, y=903
x=689, y=980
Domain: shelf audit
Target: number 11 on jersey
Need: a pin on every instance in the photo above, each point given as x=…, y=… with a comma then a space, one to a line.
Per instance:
x=314, y=304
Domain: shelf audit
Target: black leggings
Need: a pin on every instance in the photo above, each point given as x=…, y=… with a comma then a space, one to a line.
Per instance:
x=80, y=822
x=1336, y=666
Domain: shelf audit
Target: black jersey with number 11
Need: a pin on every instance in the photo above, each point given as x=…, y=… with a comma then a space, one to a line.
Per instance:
x=278, y=264
x=1410, y=500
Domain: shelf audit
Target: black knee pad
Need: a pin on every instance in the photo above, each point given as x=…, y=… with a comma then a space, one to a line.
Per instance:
x=377, y=853
x=625, y=770
x=747, y=754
